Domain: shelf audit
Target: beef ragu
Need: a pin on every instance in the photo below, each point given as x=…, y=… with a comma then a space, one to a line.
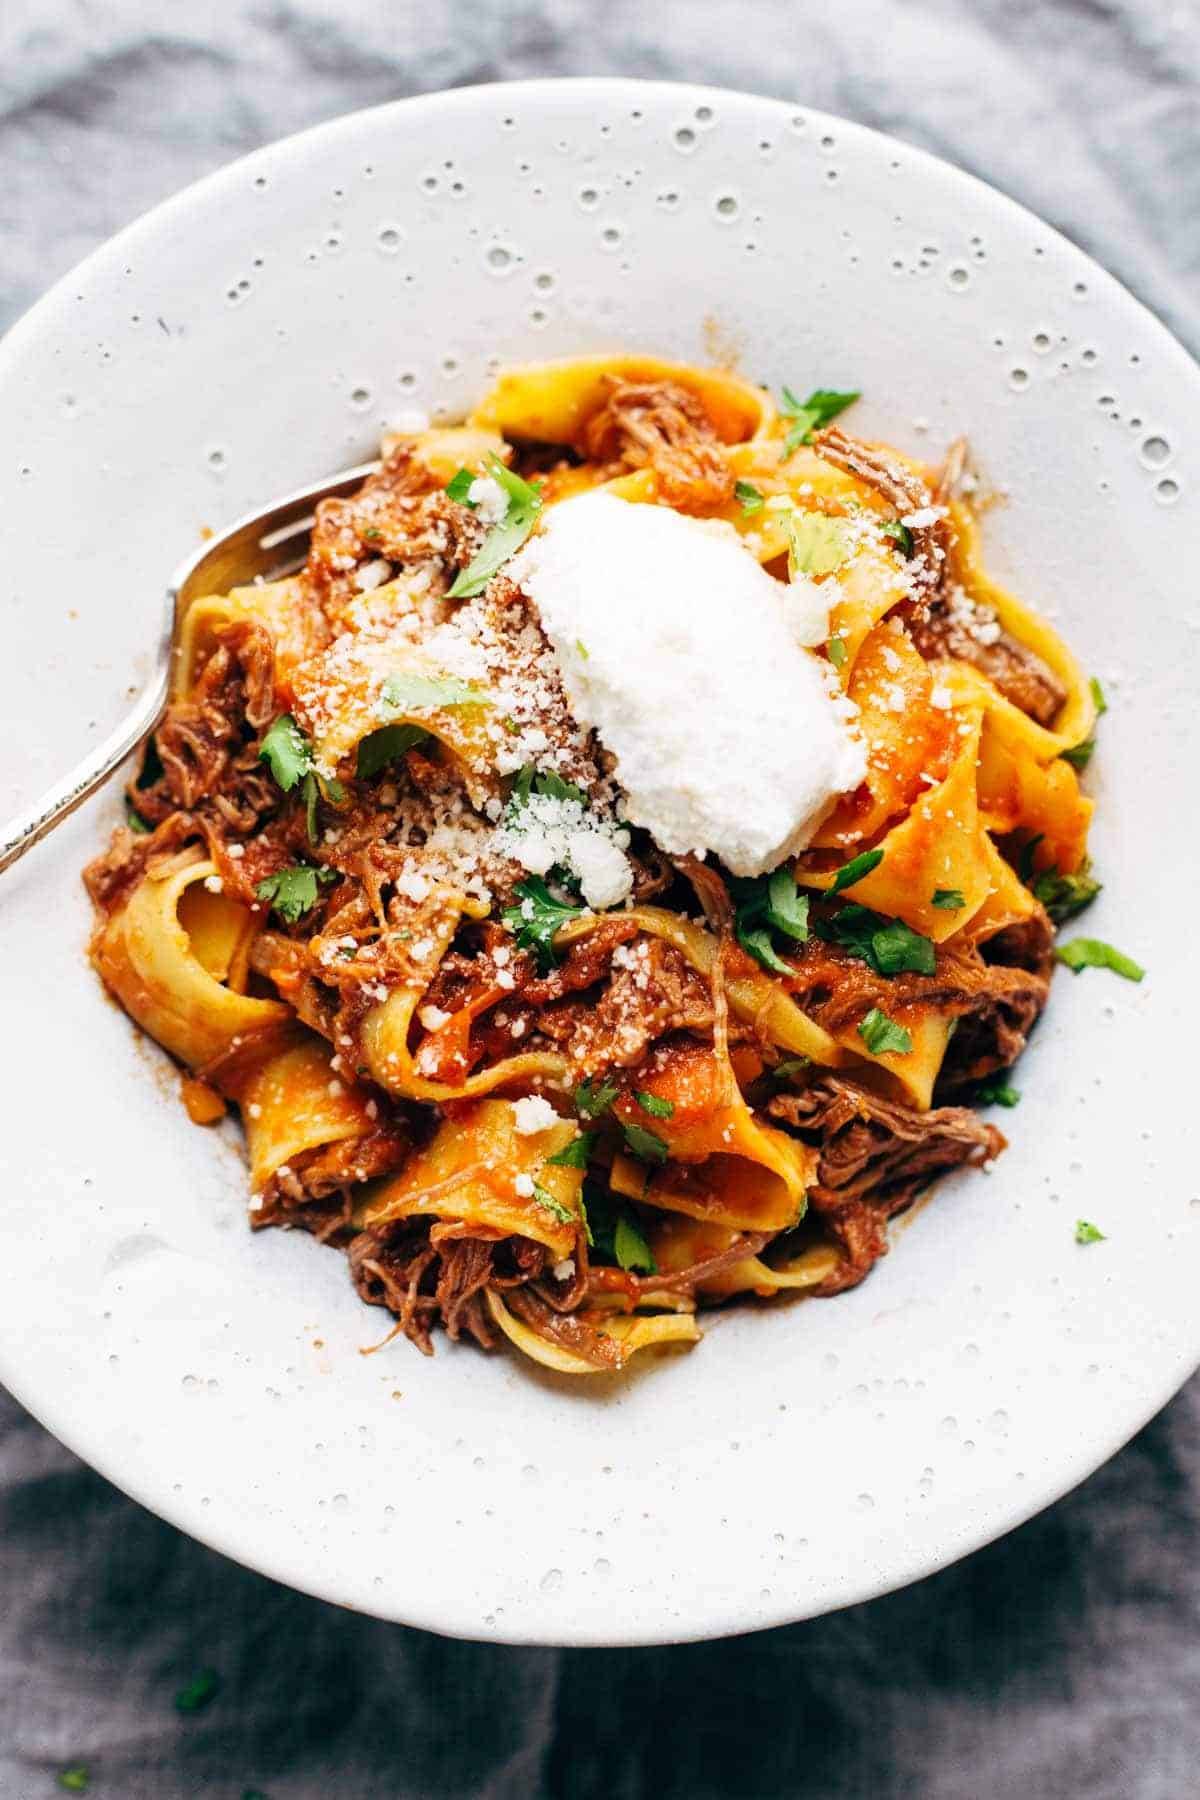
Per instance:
x=560, y=1031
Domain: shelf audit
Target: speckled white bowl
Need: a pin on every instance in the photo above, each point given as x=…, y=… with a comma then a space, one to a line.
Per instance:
x=257, y=332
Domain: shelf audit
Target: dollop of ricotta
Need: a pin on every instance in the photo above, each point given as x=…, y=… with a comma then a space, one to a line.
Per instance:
x=678, y=650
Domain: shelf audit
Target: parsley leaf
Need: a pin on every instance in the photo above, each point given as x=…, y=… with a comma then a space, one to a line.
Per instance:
x=524, y=505
x=311, y=795
x=855, y=870
x=630, y=1247
x=948, y=899
x=996, y=1092
x=575, y=1154
x=765, y=903
x=748, y=496
x=809, y=415
x=896, y=948
x=1025, y=869
x=881, y=1034
x=900, y=535
x=548, y=783
x=535, y=918
x=75, y=1780
x=134, y=819
x=593, y=1101
x=203, y=1687
x=817, y=543
x=654, y=1105
x=293, y=891
x=1079, y=755
x=1087, y=1233
x=406, y=690
x=1093, y=953
x=459, y=486
x=791, y=1065
x=1098, y=700
x=836, y=649
x=287, y=752
x=552, y=1204
x=1063, y=896
x=385, y=746
x=647, y=1146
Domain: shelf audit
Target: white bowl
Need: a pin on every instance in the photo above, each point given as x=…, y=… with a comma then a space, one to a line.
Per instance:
x=258, y=331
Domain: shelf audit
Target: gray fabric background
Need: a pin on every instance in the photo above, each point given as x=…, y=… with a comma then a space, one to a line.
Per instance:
x=1062, y=1662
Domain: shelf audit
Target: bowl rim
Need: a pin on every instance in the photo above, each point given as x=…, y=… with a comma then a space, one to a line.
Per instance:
x=1079, y=1460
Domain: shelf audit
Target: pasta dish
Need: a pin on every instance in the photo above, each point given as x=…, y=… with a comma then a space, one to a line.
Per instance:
x=609, y=876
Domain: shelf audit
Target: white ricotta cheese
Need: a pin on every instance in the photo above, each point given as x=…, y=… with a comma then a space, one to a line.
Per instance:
x=533, y=1114
x=676, y=647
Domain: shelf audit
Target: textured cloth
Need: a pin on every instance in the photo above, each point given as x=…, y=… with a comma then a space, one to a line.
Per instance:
x=1061, y=1662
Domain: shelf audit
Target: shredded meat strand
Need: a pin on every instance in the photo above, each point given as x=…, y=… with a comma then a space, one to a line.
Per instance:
x=663, y=426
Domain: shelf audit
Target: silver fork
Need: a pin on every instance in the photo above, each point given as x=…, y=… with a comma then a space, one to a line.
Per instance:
x=263, y=545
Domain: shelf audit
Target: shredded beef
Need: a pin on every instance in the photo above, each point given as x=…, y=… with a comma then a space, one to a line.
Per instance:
x=428, y=1275
x=1019, y=673
x=875, y=1158
x=662, y=426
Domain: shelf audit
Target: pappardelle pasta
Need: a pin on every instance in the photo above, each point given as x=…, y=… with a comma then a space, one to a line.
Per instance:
x=602, y=879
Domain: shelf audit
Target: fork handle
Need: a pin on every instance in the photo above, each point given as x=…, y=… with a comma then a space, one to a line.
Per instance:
x=29, y=828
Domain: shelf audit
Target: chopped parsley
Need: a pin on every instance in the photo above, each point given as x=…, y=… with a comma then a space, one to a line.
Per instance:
x=1080, y=755
x=1087, y=1233
x=293, y=891
x=900, y=535
x=592, y=1101
x=767, y=903
x=1094, y=953
x=385, y=746
x=562, y=1213
x=134, y=819
x=997, y=1092
x=459, y=486
x=1025, y=867
x=647, y=1146
x=1063, y=896
x=948, y=899
x=203, y=1687
x=748, y=497
x=888, y=946
x=575, y=1154
x=855, y=870
x=75, y=1780
x=807, y=416
x=535, y=917
x=817, y=543
x=1098, y=700
x=287, y=752
x=652, y=1104
x=548, y=783
x=616, y=1235
x=836, y=648
x=408, y=690
x=791, y=1065
x=524, y=505
x=882, y=1035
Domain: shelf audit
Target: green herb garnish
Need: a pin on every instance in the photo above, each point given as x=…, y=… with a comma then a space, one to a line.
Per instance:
x=287, y=752
x=855, y=870
x=791, y=1065
x=1063, y=896
x=386, y=746
x=809, y=415
x=575, y=1154
x=896, y=949
x=652, y=1104
x=615, y=1233
x=405, y=691
x=748, y=496
x=524, y=505
x=203, y=1687
x=1087, y=1233
x=593, y=1101
x=459, y=486
x=948, y=899
x=766, y=903
x=630, y=1247
x=134, y=819
x=1093, y=953
x=293, y=891
x=1025, y=868
x=535, y=918
x=882, y=1035
x=996, y=1092
x=900, y=535
x=562, y=1213
x=643, y=1144
x=75, y=1780
x=1098, y=700
x=836, y=648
